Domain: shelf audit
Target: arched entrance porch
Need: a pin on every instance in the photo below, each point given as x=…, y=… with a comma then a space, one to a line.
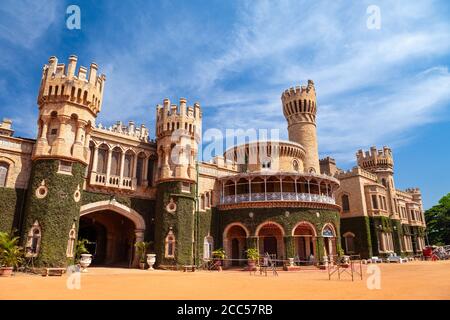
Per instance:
x=112, y=229
x=235, y=243
x=305, y=235
x=329, y=240
x=270, y=239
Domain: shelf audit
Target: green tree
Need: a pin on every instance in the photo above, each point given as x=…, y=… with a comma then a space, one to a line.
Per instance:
x=438, y=222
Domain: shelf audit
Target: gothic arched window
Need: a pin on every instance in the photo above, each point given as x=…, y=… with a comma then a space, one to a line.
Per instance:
x=170, y=245
x=345, y=203
x=102, y=161
x=208, y=243
x=4, y=167
x=71, y=242
x=34, y=240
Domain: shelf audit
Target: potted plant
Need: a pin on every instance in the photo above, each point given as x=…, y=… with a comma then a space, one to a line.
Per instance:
x=10, y=254
x=82, y=255
x=252, y=258
x=218, y=257
x=141, y=250
x=151, y=258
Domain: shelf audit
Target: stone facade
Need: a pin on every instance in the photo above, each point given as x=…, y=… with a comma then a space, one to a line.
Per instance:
x=115, y=186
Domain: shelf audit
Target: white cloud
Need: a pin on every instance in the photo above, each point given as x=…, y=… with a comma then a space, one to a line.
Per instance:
x=25, y=21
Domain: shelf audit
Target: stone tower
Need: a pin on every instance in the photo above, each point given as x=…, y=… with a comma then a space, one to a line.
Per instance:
x=69, y=102
x=381, y=163
x=299, y=108
x=178, y=131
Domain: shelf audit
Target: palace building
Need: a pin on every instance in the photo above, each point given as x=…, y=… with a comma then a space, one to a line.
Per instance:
x=114, y=186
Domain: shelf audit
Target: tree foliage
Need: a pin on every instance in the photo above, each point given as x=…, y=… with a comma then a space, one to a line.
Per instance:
x=438, y=222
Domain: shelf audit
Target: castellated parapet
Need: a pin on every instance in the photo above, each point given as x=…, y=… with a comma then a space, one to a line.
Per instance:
x=300, y=108
x=178, y=132
x=69, y=102
x=376, y=160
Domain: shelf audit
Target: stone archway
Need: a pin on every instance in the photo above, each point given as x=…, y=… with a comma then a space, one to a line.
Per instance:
x=235, y=238
x=329, y=240
x=118, y=226
x=270, y=237
x=305, y=234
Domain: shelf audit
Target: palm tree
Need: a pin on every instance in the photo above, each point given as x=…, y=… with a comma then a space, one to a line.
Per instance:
x=11, y=255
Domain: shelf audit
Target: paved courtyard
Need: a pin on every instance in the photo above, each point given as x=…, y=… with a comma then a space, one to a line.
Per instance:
x=414, y=280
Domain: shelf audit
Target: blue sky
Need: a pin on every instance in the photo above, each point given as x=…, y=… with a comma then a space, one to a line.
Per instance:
x=375, y=87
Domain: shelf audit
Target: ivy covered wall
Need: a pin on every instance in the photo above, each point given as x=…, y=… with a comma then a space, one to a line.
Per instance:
x=56, y=213
x=360, y=227
x=181, y=222
x=11, y=208
x=286, y=217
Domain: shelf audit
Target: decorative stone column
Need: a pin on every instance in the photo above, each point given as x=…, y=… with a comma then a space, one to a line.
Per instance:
x=134, y=178
x=59, y=146
x=122, y=164
x=145, y=178
x=78, y=146
x=108, y=167
x=42, y=142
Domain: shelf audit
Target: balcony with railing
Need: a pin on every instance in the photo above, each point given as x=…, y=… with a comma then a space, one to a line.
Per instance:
x=282, y=189
x=278, y=196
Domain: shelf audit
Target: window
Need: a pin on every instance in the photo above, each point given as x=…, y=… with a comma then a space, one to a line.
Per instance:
x=102, y=160
x=207, y=200
x=65, y=167
x=383, y=182
x=349, y=242
x=4, y=167
x=295, y=165
x=170, y=245
x=139, y=170
x=266, y=164
x=127, y=165
x=33, y=240
x=207, y=247
x=71, y=242
x=185, y=187
x=202, y=202
x=345, y=203
x=115, y=163
x=54, y=132
x=374, y=202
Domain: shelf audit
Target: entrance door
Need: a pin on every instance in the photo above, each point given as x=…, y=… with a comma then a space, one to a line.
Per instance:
x=270, y=245
x=235, y=251
x=302, y=248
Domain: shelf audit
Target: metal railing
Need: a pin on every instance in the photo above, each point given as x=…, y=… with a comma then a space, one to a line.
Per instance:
x=277, y=196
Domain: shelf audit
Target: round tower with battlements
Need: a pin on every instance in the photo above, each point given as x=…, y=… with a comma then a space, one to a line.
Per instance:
x=178, y=132
x=299, y=108
x=178, y=129
x=69, y=102
x=68, y=105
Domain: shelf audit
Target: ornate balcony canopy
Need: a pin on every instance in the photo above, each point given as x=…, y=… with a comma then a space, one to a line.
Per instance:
x=273, y=189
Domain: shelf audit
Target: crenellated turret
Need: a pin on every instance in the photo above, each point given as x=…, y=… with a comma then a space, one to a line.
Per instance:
x=299, y=108
x=69, y=102
x=178, y=131
x=376, y=160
